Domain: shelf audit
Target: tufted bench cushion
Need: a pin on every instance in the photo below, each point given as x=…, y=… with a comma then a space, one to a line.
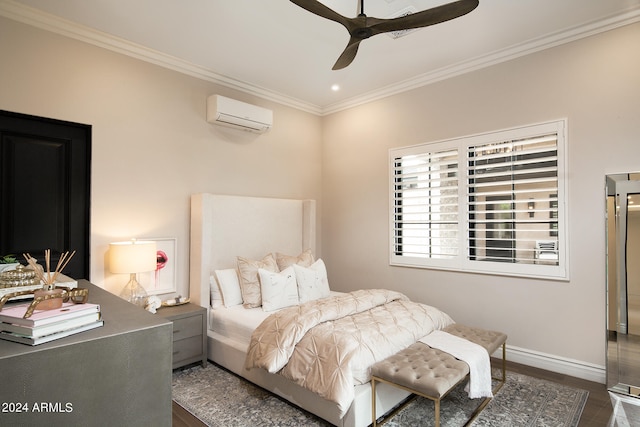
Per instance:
x=490, y=340
x=430, y=372
x=422, y=369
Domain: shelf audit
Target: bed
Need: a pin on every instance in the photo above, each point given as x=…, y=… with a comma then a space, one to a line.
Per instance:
x=224, y=227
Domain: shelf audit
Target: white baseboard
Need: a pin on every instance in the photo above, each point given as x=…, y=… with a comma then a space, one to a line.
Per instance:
x=550, y=362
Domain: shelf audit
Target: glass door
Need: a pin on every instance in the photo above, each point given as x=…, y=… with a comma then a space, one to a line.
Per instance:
x=623, y=284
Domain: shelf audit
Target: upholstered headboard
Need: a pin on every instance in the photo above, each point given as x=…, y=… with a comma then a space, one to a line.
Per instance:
x=224, y=227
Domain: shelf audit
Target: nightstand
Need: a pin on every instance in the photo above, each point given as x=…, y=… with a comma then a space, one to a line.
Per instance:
x=189, y=333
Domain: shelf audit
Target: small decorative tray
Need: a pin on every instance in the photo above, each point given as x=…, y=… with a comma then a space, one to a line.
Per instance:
x=176, y=301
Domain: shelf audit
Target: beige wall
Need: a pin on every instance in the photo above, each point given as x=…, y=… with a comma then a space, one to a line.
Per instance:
x=594, y=84
x=152, y=147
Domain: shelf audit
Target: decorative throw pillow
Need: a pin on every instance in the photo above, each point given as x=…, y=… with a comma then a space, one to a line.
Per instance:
x=214, y=289
x=229, y=287
x=249, y=280
x=279, y=290
x=312, y=282
x=305, y=259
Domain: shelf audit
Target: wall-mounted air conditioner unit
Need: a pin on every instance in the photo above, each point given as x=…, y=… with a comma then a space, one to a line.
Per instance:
x=240, y=115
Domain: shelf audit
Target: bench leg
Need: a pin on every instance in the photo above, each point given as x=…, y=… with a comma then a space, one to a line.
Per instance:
x=437, y=412
x=495, y=389
x=502, y=380
x=386, y=417
x=504, y=361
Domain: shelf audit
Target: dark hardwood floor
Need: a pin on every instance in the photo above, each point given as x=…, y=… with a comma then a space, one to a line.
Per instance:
x=596, y=412
x=182, y=418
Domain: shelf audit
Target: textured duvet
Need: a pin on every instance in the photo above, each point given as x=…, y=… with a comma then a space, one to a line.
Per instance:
x=328, y=345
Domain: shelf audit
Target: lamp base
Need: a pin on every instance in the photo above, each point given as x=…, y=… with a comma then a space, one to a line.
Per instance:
x=134, y=292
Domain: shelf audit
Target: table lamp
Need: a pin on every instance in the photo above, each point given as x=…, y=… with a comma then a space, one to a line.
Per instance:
x=133, y=257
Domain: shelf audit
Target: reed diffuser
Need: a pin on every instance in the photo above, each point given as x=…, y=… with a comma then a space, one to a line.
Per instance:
x=52, y=297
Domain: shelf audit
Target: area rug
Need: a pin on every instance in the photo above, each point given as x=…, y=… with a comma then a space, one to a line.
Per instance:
x=219, y=398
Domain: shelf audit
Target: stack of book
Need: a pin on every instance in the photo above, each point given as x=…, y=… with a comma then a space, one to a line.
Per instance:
x=47, y=325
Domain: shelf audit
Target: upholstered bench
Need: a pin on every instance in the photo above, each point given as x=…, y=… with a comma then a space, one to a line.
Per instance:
x=432, y=373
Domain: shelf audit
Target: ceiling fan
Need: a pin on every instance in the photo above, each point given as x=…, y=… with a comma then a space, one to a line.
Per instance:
x=362, y=27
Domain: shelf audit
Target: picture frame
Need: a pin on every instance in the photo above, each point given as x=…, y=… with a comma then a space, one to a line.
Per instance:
x=164, y=279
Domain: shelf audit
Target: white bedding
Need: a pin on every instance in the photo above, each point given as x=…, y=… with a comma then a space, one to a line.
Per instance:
x=238, y=323
x=328, y=345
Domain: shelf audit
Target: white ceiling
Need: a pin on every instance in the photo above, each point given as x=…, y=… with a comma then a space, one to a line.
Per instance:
x=280, y=51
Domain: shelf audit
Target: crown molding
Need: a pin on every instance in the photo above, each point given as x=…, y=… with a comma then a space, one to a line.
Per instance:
x=54, y=24
x=48, y=22
x=545, y=42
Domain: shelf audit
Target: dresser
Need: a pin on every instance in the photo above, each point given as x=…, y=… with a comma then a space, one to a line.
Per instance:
x=117, y=374
x=189, y=333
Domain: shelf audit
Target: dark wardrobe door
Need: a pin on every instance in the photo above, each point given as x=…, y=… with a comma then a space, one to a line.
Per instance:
x=45, y=173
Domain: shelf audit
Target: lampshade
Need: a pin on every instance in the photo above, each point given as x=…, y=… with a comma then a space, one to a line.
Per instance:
x=134, y=256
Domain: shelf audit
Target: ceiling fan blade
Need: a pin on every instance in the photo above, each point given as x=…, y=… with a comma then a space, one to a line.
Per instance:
x=320, y=9
x=348, y=54
x=427, y=17
x=363, y=27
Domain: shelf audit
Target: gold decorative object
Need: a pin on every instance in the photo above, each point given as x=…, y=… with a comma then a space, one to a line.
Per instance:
x=76, y=296
x=49, y=297
x=179, y=300
x=21, y=276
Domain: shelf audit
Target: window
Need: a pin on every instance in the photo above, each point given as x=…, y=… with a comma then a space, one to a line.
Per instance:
x=491, y=203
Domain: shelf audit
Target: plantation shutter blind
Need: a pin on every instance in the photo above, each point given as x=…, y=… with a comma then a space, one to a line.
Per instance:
x=426, y=204
x=489, y=203
x=512, y=199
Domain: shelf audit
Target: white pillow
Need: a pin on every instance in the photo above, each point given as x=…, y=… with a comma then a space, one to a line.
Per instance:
x=279, y=290
x=229, y=287
x=216, y=296
x=312, y=282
